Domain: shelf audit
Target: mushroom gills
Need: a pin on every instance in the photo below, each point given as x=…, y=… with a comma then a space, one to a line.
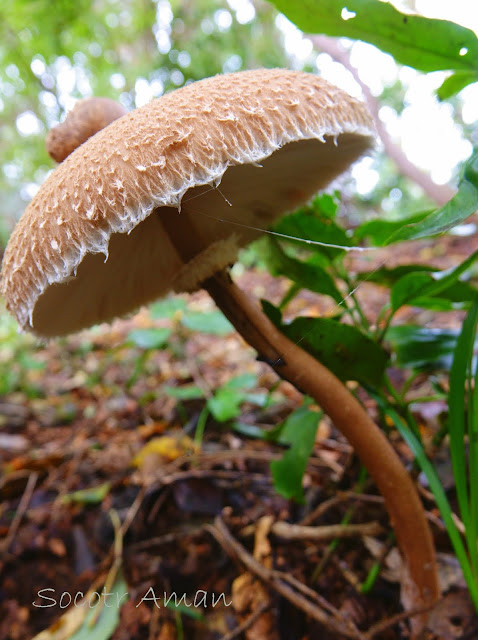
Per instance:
x=215, y=221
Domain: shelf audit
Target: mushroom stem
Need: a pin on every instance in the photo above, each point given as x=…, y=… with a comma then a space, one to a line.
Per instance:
x=307, y=374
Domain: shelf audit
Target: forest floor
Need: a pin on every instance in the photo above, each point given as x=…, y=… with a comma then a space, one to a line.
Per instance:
x=104, y=489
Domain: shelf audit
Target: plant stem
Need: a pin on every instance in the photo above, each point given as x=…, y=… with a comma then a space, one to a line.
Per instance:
x=298, y=367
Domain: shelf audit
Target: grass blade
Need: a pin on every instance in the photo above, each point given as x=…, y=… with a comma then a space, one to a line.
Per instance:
x=441, y=500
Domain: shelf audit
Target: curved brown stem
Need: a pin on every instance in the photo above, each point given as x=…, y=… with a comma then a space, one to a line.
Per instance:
x=298, y=367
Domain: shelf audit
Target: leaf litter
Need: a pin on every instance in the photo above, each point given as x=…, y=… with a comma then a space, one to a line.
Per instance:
x=77, y=418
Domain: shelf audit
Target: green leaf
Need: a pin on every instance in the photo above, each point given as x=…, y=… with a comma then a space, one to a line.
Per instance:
x=408, y=288
x=462, y=205
x=379, y=231
x=250, y=430
x=310, y=223
x=455, y=83
x=149, y=338
x=389, y=276
x=213, y=322
x=108, y=619
x=342, y=348
x=225, y=404
x=94, y=495
x=416, y=286
x=272, y=312
x=167, y=308
x=244, y=381
x=416, y=347
x=305, y=274
x=299, y=431
x=422, y=43
x=186, y=392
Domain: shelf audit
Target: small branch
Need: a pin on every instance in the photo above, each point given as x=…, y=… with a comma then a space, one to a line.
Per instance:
x=288, y=531
x=239, y=630
x=275, y=580
x=21, y=510
x=436, y=192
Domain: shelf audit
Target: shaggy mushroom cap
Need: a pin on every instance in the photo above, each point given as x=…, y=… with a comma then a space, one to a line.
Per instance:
x=195, y=168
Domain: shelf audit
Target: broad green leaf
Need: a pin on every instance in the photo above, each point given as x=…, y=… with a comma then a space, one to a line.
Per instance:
x=379, y=231
x=455, y=83
x=413, y=287
x=167, y=308
x=225, y=404
x=244, y=381
x=342, y=348
x=213, y=322
x=311, y=224
x=149, y=338
x=389, y=276
x=186, y=392
x=408, y=288
x=462, y=205
x=441, y=302
x=250, y=430
x=305, y=274
x=422, y=43
x=299, y=431
x=450, y=298
x=326, y=205
x=416, y=347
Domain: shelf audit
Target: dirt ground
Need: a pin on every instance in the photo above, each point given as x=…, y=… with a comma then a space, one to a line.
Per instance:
x=84, y=507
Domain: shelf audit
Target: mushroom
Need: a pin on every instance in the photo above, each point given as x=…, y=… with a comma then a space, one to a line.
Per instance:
x=86, y=118
x=163, y=198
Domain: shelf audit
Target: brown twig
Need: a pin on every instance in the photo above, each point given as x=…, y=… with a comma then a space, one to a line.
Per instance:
x=20, y=512
x=287, y=531
x=244, y=626
x=381, y=626
x=276, y=581
x=321, y=509
x=436, y=192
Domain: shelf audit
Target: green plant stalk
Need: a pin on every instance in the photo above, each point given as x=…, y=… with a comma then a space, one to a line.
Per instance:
x=424, y=399
x=473, y=465
x=363, y=322
x=473, y=475
x=369, y=582
x=407, y=384
x=459, y=379
x=289, y=295
x=442, y=502
x=201, y=425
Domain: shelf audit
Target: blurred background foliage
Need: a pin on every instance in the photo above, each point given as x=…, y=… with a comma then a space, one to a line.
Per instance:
x=129, y=50
x=135, y=50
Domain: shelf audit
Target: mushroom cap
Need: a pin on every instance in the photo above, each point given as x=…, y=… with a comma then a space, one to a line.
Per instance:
x=86, y=118
x=204, y=164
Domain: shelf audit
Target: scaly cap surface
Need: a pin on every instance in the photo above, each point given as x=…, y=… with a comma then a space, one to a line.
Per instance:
x=204, y=160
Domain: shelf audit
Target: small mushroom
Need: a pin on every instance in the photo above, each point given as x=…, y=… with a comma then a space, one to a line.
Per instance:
x=164, y=197
x=86, y=118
